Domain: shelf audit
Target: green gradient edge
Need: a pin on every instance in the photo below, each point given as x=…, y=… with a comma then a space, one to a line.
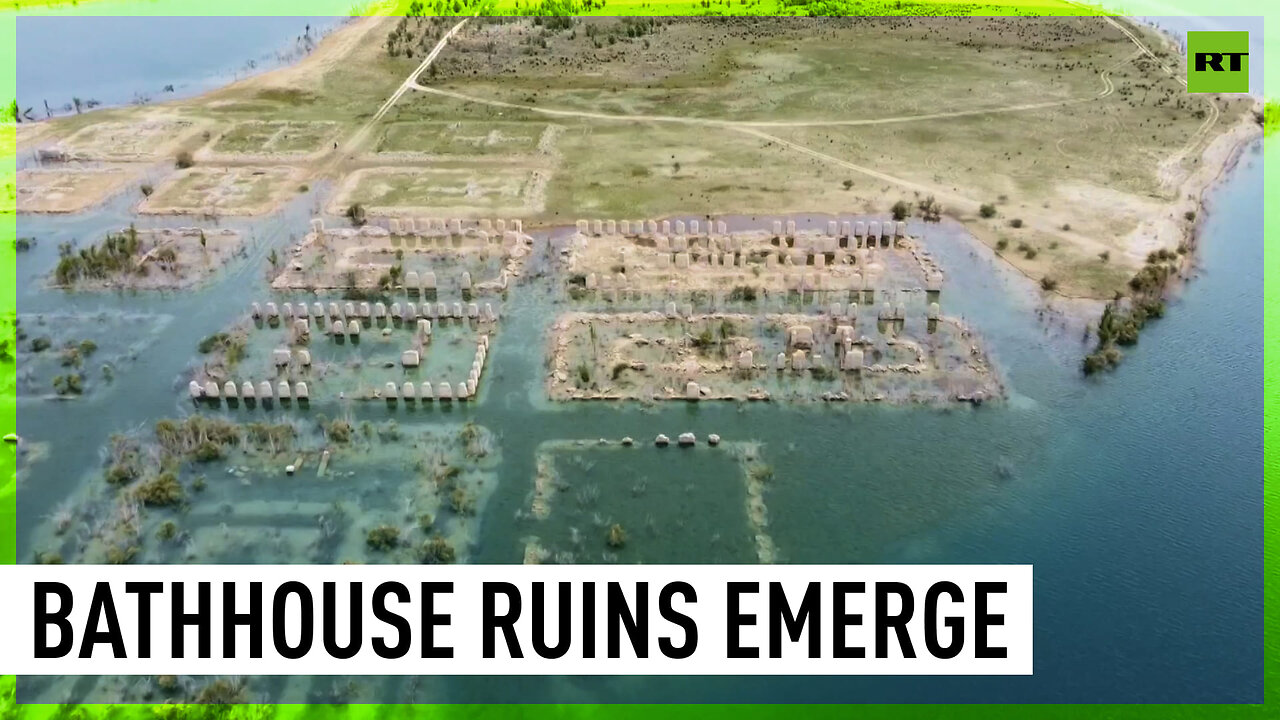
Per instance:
x=11, y=710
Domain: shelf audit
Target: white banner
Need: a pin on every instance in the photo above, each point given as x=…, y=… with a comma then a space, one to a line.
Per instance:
x=516, y=620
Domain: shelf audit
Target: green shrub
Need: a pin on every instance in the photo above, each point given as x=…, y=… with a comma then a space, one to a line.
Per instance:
x=70, y=384
x=617, y=537
x=121, y=474
x=339, y=431
x=438, y=551
x=461, y=502
x=208, y=451
x=383, y=538
x=356, y=214
x=161, y=490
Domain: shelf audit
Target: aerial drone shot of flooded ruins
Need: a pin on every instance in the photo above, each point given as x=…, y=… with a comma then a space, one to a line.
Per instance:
x=447, y=306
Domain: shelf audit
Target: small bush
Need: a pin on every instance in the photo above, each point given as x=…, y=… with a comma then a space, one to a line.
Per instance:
x=356, y=214
x=461, y=502
x=1048, y=284
x=1094, y=362
x=184, y=160
x=161, y=491
x=208, y=451
x=987, y=210
x=438, y=551
x=1016, y=222
x=383, y=538
x=822, y=374
x=761, y=473
x=617, y=537
x=70, y=384
x=339, y=431
x=121, y=474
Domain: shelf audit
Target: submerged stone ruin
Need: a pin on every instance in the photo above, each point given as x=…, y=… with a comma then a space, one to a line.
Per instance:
x=676, y=310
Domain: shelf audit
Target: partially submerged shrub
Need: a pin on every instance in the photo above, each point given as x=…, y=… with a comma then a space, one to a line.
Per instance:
x=161, y=490
x=383, y=538
x=617, y=537
x=438, y=551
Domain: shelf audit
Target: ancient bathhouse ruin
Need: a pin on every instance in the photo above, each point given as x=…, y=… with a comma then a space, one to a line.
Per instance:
x=648, y=310
x=429, y=291
x=687, y=310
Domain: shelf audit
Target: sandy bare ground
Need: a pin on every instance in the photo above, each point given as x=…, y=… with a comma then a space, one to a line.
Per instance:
x=445, y=199
x=207, y=190
x=70, y=189
x=309, y=72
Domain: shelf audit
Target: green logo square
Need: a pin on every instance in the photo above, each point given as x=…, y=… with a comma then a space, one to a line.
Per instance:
x=1217, y=62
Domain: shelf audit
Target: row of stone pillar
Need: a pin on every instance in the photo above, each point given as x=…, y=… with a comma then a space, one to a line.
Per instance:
x=247, y=390
x=649, y=227
x=851, y=360
x=351, y=311
x=679, y=228
x=408, y=392
x=412, y=226
x=859, y=229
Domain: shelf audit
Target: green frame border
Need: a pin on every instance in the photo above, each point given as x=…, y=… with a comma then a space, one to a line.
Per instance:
x=10, y=710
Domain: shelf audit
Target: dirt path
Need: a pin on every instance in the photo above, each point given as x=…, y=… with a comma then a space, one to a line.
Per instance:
x=715, y=122
x=347, y=147
x=1168, y=168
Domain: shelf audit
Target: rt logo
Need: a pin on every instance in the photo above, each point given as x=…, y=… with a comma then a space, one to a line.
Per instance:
x=1217, y=62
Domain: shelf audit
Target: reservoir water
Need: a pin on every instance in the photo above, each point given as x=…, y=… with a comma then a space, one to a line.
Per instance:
x=1137, y=495
x=119, y=60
